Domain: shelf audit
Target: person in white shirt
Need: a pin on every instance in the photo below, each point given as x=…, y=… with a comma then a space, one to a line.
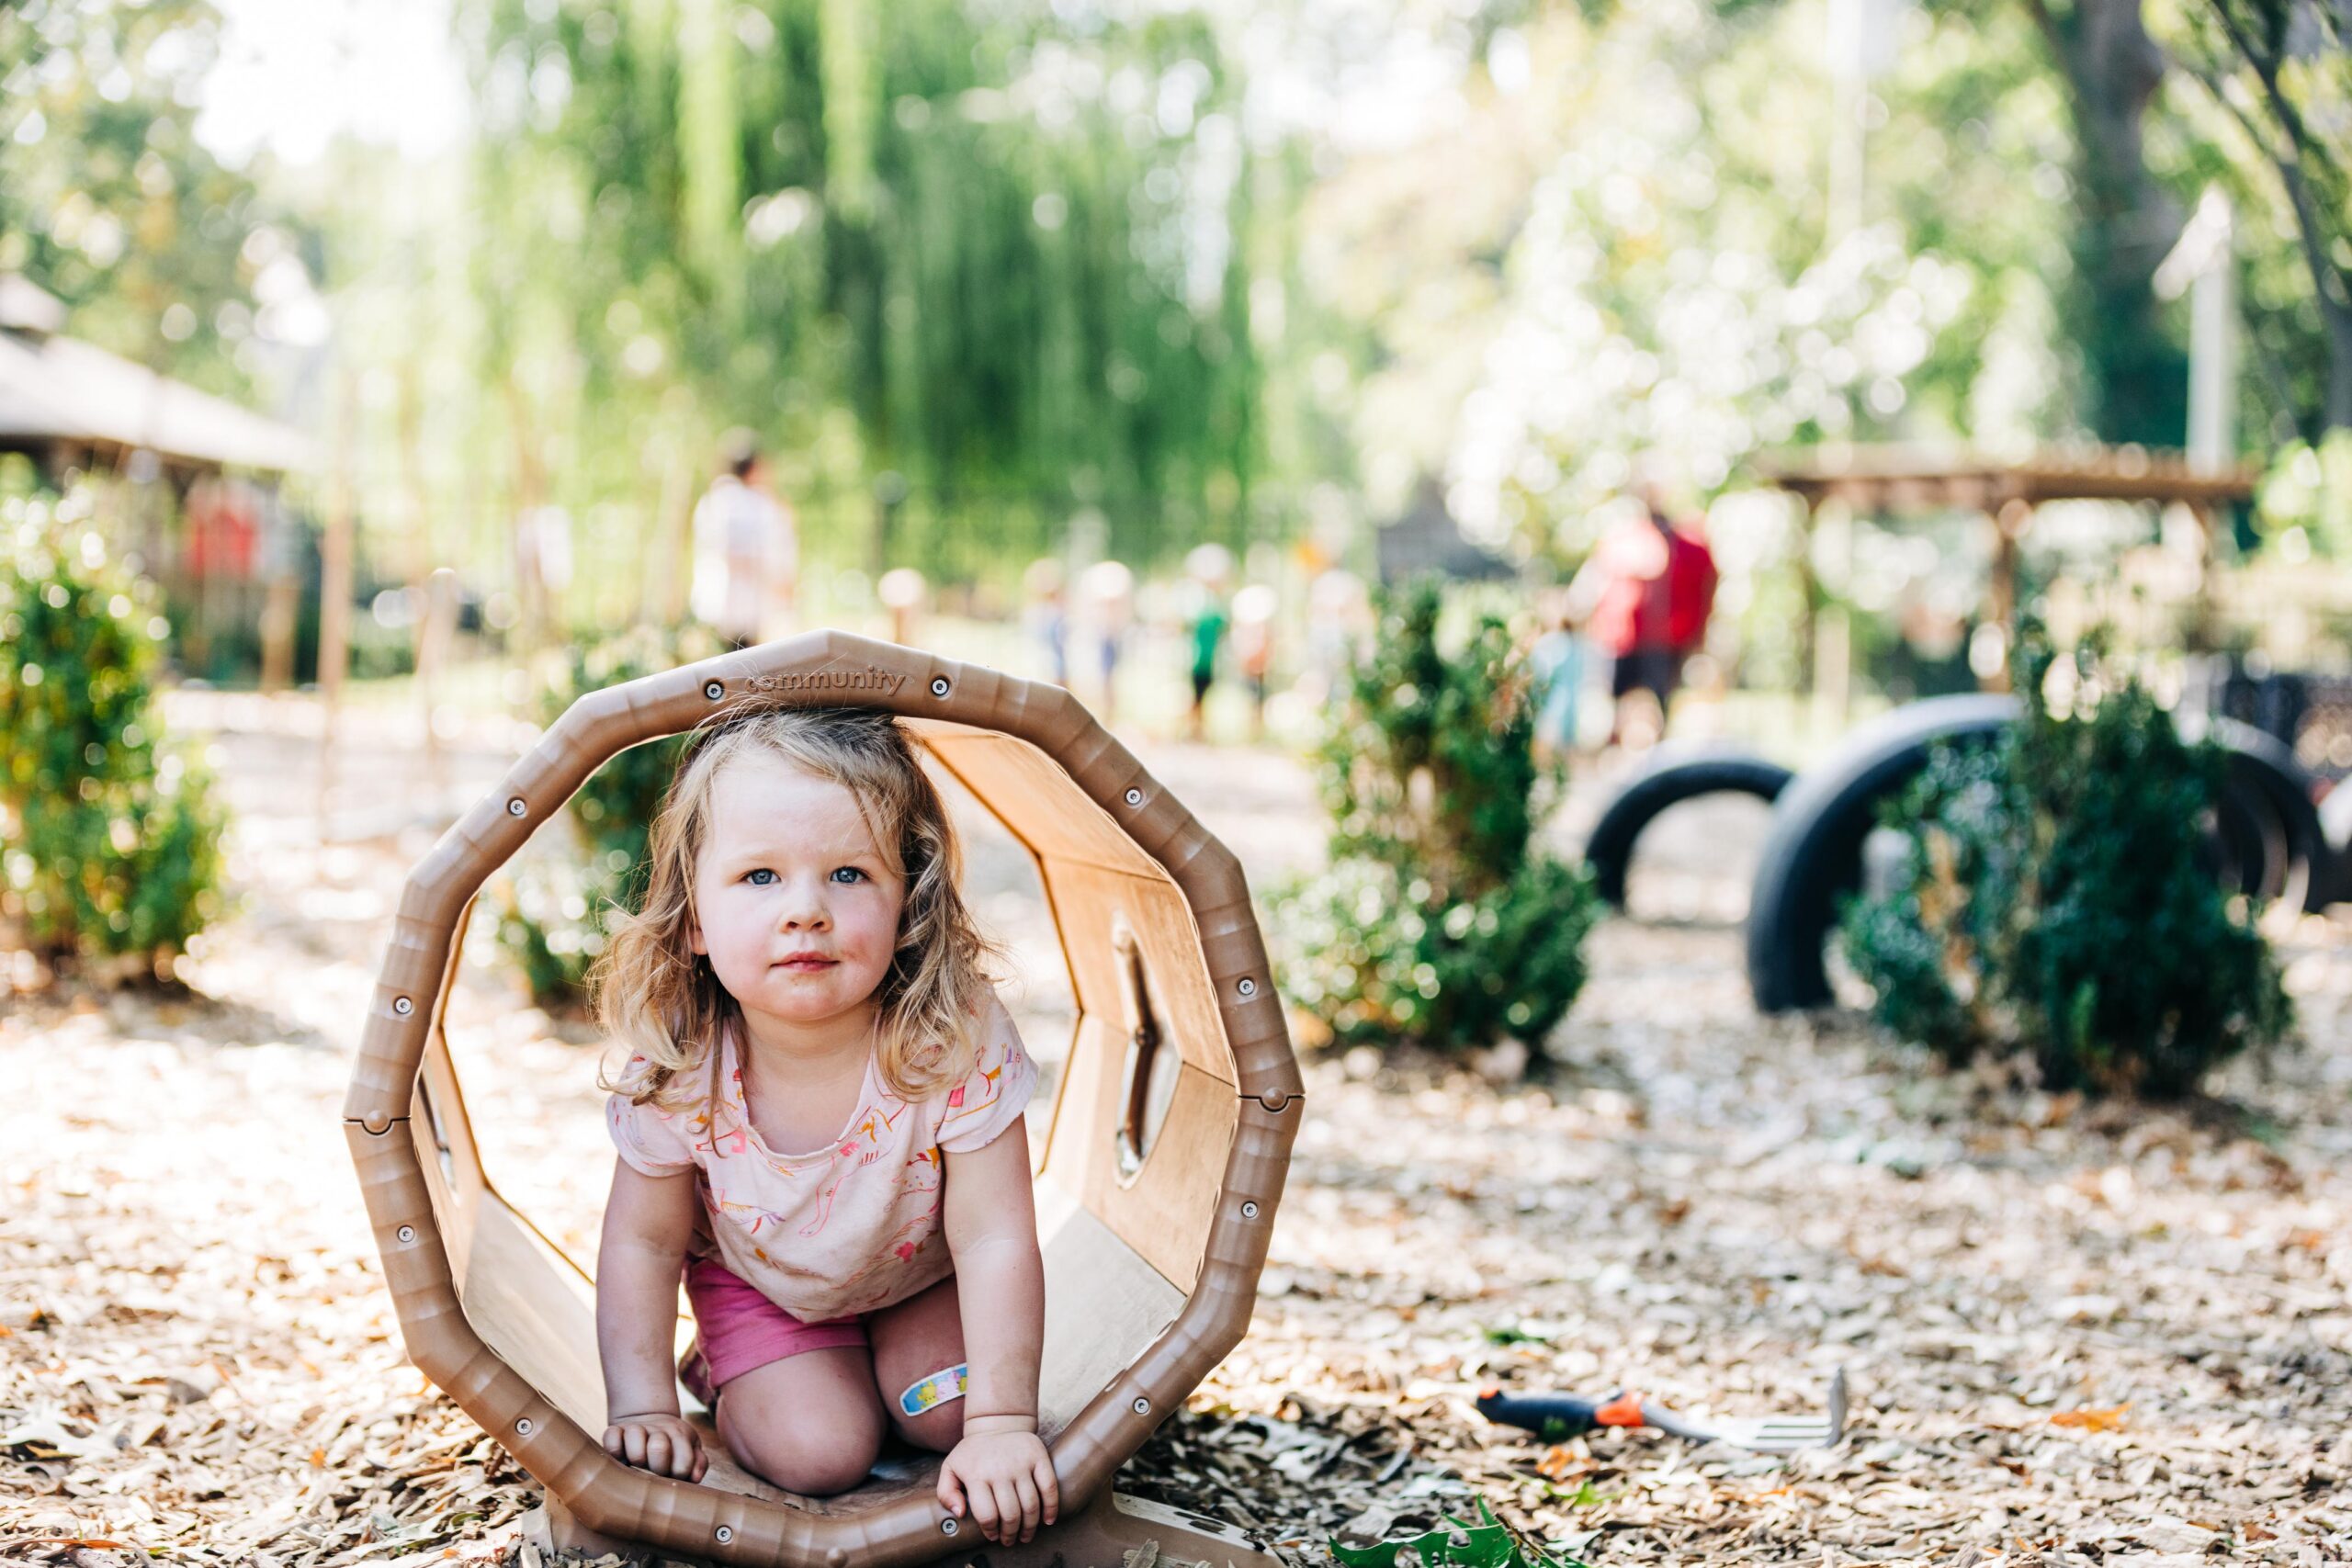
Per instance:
x=747, y=555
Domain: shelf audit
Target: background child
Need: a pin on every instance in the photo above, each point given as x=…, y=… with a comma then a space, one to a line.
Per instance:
x=821, y=1122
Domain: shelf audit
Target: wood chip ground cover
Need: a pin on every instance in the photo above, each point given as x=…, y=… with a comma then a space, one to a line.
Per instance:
x=2076, y=1334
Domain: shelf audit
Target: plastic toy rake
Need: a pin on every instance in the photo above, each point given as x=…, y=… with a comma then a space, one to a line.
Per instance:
x=1555, y=1416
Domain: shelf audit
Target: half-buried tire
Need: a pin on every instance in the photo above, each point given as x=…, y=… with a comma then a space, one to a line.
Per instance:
x=2271, y=843
x=1666, y=780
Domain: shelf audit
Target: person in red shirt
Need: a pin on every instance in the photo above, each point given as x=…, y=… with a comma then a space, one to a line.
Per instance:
x=1651, y=586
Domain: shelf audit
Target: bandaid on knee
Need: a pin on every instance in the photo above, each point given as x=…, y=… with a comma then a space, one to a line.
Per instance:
x=935, y=1390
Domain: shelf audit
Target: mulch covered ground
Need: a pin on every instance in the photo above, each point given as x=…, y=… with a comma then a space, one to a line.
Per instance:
x=2076, y=1333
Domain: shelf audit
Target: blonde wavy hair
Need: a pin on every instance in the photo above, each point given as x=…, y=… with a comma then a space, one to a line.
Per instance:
x=661, y=1000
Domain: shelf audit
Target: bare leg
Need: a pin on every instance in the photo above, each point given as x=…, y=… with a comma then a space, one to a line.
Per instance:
x=810, y=1423
x=918, y=1336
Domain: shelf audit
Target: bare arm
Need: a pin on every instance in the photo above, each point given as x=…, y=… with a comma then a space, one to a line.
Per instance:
x=992, y=1225
x=647, y=1221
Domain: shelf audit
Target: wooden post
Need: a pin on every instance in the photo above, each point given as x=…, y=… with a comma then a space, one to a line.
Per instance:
x=2001, y=593
x=334, y=593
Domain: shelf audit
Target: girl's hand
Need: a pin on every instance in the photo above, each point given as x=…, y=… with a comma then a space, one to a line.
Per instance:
x=659, y=1441
x=1008, y=1480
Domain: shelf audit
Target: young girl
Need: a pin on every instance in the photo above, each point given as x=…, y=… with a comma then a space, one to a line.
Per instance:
x=820, y=1122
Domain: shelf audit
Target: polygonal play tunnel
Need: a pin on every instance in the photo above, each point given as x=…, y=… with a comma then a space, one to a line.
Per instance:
x=1171, y=1133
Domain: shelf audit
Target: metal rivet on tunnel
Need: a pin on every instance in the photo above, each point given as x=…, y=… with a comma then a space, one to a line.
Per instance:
x=403, y=1006
x=939, y=685
x=1143, y=1406
x=515, y=807
x=714, y=690
x=1249, y=1210
x=526, y=1425
x=947, y=1527
x=1248, y=988
x=406, y=1233
x=1135, y=797
x=723, y=1534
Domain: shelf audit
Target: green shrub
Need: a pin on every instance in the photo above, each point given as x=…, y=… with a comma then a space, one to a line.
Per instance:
x=2055, y=897
x=552, y=909
x=112, y=857
x=1435, y=923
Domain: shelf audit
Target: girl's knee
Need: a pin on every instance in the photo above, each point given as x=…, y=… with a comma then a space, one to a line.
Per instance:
x=816, y=1458
x=939, y=1428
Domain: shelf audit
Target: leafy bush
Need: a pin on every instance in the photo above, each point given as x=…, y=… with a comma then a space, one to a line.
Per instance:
x=112, y=841
x=551, y=911
x=1435, y=923
x=2055, y=897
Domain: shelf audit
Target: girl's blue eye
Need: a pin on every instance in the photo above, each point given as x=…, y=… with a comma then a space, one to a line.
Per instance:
x=755, y=878
x=848, y=873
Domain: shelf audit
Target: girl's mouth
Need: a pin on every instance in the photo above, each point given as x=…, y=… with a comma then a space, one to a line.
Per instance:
x=805, y=964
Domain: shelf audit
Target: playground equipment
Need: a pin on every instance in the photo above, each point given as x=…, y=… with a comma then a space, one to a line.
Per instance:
x=1170, y=1136
x=1668, y=777
x=2271, y=842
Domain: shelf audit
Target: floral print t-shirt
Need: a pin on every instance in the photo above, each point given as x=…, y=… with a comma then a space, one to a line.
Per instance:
x=849, y=1227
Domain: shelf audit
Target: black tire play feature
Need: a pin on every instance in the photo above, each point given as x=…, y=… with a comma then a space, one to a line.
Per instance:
x=1812, y=855
x=1665, y=781
x=2270, y=841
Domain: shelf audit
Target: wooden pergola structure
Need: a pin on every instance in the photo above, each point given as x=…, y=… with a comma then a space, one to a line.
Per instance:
x=1890, y=480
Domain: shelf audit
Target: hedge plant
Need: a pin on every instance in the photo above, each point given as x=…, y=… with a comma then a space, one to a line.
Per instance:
x=1438, y=922
x=109, y=840
x=552, y=909
x=2056, y=897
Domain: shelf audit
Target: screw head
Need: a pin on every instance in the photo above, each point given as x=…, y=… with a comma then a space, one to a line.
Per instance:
x=1249, y=1211
x=1142, y=1405
x=407, y=1233
x=515, y=807
x=1135, y=797
x=1248, y=988
x=526, y=1426
x=715, y=690
x=723, y=1534
x=948, y=1526
x=939, y=685
x=403, y=1006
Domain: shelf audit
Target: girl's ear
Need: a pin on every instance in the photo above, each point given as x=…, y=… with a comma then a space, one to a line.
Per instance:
x=694, y=942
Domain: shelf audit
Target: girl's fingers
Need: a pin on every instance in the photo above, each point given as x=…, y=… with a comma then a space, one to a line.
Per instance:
x=657, y=1453
x=613, y=1441
x=984, y=1509
x=951, y=1491
x=1049, y=1490
x=1008, y=1514
x=633, y=1445
x=1025, y=1487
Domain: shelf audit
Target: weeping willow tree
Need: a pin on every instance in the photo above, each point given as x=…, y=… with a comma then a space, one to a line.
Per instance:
x=971, y=269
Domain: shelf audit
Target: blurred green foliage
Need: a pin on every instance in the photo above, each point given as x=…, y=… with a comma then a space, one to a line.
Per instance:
x=552, y=907
x=1437, y=922
x=2055, y=898
x=110, y=841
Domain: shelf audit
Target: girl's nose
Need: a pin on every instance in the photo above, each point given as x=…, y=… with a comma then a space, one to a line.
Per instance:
x=804, y=909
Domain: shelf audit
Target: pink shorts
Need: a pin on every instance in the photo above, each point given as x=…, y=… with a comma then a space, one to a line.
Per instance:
x=739, y=1330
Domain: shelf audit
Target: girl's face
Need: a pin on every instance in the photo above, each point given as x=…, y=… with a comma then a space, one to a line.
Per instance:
x=795, y=904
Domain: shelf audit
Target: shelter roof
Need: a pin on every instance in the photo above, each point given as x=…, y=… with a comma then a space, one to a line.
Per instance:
x=58, y=388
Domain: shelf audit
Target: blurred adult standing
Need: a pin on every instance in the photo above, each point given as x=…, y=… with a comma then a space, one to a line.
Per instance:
x=747, y=552
x=1648, y=590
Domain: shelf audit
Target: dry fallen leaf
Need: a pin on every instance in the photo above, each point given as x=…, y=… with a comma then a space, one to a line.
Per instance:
x=2107, y=1420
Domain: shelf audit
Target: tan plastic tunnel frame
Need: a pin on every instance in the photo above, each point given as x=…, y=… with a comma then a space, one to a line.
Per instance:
x=819, y=669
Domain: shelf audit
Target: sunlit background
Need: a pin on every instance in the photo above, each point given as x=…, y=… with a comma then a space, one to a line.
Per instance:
x=1343, y=287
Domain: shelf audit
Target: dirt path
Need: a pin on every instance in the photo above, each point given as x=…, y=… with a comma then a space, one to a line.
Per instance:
x=2112, y=1335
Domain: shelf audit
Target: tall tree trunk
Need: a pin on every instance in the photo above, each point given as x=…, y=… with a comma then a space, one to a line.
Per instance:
x=2126, y=223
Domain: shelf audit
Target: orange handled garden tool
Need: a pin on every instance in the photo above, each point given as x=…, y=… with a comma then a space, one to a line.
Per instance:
x=1554, y=1416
